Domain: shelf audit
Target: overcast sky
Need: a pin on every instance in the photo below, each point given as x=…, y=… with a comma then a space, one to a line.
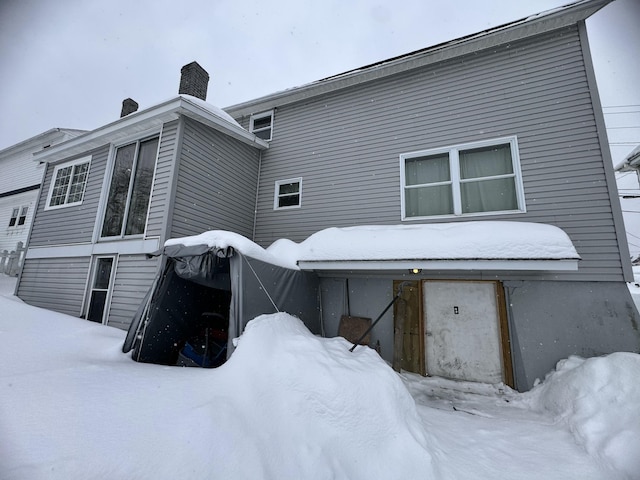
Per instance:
x=70, y=63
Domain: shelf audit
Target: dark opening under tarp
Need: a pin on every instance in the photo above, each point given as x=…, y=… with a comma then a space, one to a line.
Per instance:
x=216, y=291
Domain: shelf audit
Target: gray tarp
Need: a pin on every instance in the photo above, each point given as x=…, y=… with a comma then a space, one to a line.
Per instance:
x=238, y=286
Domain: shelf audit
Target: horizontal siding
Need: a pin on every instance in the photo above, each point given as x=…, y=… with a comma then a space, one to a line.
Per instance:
x=56, y=284
x=216, y=183
x=346, y=145
x=79, y=221
x=134, y=276
x=10, y=236
x=162, y=180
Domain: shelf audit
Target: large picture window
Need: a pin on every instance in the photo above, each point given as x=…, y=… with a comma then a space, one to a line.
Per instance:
x=130, y=189
x=470, y=179
x=68, y=184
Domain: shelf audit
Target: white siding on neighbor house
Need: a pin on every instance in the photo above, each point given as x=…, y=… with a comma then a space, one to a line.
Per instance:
x=55, y=283
x=20, y=171
x=346, y=145
x=134, y=276
x=73, y=224
x=217, y=178
x=10, y=236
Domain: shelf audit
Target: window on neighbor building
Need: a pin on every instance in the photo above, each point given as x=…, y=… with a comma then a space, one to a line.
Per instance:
x=261, y=125
x=471, y=179
x=68, y=183
x=23, y=215
x=130, y=189
x=14, y=217
x=288, y=193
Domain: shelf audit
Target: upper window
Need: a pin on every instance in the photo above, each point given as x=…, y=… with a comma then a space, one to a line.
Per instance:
x=288, y=193
x=470, y=179
x=68, y=184
x=261, y=125
x=130, y=189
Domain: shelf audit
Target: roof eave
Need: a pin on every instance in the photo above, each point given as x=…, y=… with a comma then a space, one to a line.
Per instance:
x=541, y=265
x=517, y=30
x=142, y=121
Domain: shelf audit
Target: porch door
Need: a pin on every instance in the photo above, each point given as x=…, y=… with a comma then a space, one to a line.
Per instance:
x=100, y=289
x=463, y=331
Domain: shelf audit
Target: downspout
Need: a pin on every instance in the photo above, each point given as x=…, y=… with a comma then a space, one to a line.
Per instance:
x=255, y=207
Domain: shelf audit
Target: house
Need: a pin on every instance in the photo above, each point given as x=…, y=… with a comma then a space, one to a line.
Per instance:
x=19, y=186
x=490, y=127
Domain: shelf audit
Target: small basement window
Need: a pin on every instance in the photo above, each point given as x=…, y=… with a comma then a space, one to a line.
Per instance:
x=288, y=193
x=261, y=125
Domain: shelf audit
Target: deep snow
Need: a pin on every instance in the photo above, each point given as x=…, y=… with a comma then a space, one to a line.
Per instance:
x=292, y=405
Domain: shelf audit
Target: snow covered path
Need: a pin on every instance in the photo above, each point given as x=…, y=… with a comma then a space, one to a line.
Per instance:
x=292, y=405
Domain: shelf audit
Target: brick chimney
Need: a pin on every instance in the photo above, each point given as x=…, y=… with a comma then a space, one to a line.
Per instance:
x=128, y=106
x=194, y=80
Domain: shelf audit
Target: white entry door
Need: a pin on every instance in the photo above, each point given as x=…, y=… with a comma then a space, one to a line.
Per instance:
x=462, y=331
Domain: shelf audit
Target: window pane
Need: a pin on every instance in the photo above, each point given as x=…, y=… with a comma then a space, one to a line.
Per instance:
x=137, y=217
x=486, y=161
x=263, y=134
x=289, y=201
x=59, y=194
x=423, y=170
x=96, y=305
x=286, y=188
x=264, y=122
x=117, y=200
x=78, y=180
x=103, y=273
x=489, y=195
x=426, y=201
x=14, y=217
x=23, y=215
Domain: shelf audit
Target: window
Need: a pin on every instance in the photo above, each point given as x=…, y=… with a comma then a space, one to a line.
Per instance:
x=130, y=189
x=471, y=179
x=23, y=215
x=100, y=286
x=14, y=217
x=261, y=125
x=288, y=193
x=69, y=181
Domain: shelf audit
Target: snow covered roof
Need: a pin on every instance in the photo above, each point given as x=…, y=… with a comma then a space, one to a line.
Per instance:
x=460, y=245
x=483, y=245
x=152, y=117
x=503, y=34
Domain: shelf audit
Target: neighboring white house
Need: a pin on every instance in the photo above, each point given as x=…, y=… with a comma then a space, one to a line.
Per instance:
x=20, y=179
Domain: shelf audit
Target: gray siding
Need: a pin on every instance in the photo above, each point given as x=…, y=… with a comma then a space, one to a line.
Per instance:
x=134, y=276
x=217, y=178
x=73, y=224
x=55, y=283
x=346, y=145
x=162, y=180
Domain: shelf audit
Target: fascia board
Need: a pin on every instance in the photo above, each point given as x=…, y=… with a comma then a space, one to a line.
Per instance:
x=544, y=265
x=533, y=25
x=30, y=143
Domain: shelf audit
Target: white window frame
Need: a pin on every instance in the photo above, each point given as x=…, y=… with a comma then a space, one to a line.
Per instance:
x=74, y=164
x=277, y=195
x=15, y=214
x=453, y=152
x=260, y=116
x=93, y=271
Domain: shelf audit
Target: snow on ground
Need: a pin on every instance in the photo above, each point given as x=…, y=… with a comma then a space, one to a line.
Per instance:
x=292, y=405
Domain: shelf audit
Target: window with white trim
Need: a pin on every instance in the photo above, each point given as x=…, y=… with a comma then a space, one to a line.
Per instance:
x=288, y=193
x=130, y=189
x=68, y=183
x=261, y=125
x=472, y=179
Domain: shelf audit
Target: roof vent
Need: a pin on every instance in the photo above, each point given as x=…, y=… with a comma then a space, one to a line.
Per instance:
x=194, y=81
x=128, y=106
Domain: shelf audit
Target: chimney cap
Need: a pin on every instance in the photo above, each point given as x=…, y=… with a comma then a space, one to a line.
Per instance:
x=129, y=106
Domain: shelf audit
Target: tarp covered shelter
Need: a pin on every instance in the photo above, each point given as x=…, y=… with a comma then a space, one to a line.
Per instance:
x=205, y=295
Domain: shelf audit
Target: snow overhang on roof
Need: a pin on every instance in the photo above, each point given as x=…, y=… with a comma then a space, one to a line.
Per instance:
x=490, y=245
x=504, y=34
x=145, y=120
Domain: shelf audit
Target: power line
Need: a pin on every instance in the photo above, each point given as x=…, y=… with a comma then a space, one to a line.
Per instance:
x=621, y=106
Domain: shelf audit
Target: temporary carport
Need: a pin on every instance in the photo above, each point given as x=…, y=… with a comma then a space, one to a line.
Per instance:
x=210, y=287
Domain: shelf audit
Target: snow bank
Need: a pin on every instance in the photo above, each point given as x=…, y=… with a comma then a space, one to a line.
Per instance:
x=598, y=399
x=440, y=241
